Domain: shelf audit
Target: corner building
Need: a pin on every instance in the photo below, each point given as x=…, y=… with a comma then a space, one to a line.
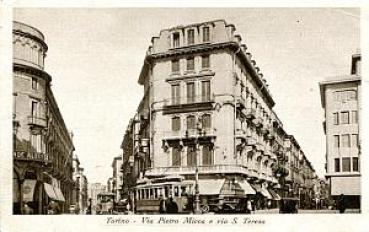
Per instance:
x=207, y=106
x=341, y=101
x=42, y=145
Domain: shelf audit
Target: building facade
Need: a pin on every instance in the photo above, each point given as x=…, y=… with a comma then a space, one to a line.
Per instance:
x=43, y=147
x=207, y=112
x=117, y=179
x=80, y=194
x=341, y=100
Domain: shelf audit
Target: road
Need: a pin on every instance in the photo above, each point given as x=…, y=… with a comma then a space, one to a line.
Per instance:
x=309, y=211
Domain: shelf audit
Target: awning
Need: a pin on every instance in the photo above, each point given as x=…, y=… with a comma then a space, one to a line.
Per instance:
x=247, y=187
x=59, y=194
x=265, y=193
x=210, y=187
x=28, y=189
x=50, y=191
x=262, y=191
x=274, y=195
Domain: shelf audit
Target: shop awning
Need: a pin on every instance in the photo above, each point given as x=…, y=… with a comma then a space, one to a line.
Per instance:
x=265, y=193
x=59, y=194
x=247, y=187
x=274, y=195
x=210, y=187
x=28, y=189
x=50, y=191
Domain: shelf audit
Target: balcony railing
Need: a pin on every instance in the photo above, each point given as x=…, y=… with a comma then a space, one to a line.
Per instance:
x=32, y=156
x=188, y=100
x=250, y=113
x=36, y=121
x=202, y=169
x=190, y=133
x=258, y=122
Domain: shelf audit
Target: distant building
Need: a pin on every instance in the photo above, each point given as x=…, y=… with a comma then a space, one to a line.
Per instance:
x=80, y=196
x=341, y=100
x=117, y=180
x=207, y=107
x=94, y=190
x=109, y=185
x=42, y=145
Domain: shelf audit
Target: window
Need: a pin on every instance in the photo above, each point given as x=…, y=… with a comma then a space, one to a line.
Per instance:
x=190, y=37
x=344, y=96
x=190, y=92
x=206, y=121
x=191, y=156
x=206, y=34
x=36, y=142
x=176, y=124
x=335, y=119
x=351, y=95
x=176, y=156
x=34, y=109
x=205, y=90
x=346, y=140
x=346, y=164
x=355, y=164
x=207, y=155
x=205, y=62
x=175, y=65
x=354, y=116
x=190, y=64
x=176, y=42
x=34, y=83
x=336, y=140
x=337, y=165
x=345, y=118
x=176, y=94
x=354, y=140
x=191, y=122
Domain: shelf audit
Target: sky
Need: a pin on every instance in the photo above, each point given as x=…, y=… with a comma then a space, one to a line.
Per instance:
x=95, y=56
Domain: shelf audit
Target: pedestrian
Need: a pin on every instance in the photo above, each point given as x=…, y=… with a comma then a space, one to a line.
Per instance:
x=172, y=207
x=162, y=205
x=89, y=207
x=27, y=209
x=53, y=208
x=249, y=206
x=341, y=204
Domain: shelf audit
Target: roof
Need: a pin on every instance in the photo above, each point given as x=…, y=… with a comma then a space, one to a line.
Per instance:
x=335, y=80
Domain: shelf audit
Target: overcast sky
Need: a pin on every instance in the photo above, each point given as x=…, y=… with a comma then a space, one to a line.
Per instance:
x=95, y=56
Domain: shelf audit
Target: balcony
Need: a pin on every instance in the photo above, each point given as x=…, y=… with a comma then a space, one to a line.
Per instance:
x=250, y=113
x=161, y=171
x=190, y=133
x=265, y=130
x=32, y=156
x=188, y=104
x=36, y=121
x=250, y=141
x=258, y=122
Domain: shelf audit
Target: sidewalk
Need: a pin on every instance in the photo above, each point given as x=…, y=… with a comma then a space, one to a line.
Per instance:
x=309, y=211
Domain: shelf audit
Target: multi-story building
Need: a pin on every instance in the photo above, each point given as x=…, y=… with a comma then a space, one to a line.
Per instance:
x=43, y=147
x=340, y=98
x=207, y=111
x=94, y=190
x=117, y=179
x=80, y=196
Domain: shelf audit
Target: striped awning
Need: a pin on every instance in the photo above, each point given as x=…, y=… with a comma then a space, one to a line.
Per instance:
x=274, y=195
x=210, y=186
x=59, y=194
x=50, y=191
x=245, y=185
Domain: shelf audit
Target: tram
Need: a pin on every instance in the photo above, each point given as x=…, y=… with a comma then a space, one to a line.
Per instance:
x=149, y=193
x=105, y=203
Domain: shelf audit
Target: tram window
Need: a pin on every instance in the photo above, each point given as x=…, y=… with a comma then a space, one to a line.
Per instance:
x=166, y=192
x=176, y=191
x=183, y=191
